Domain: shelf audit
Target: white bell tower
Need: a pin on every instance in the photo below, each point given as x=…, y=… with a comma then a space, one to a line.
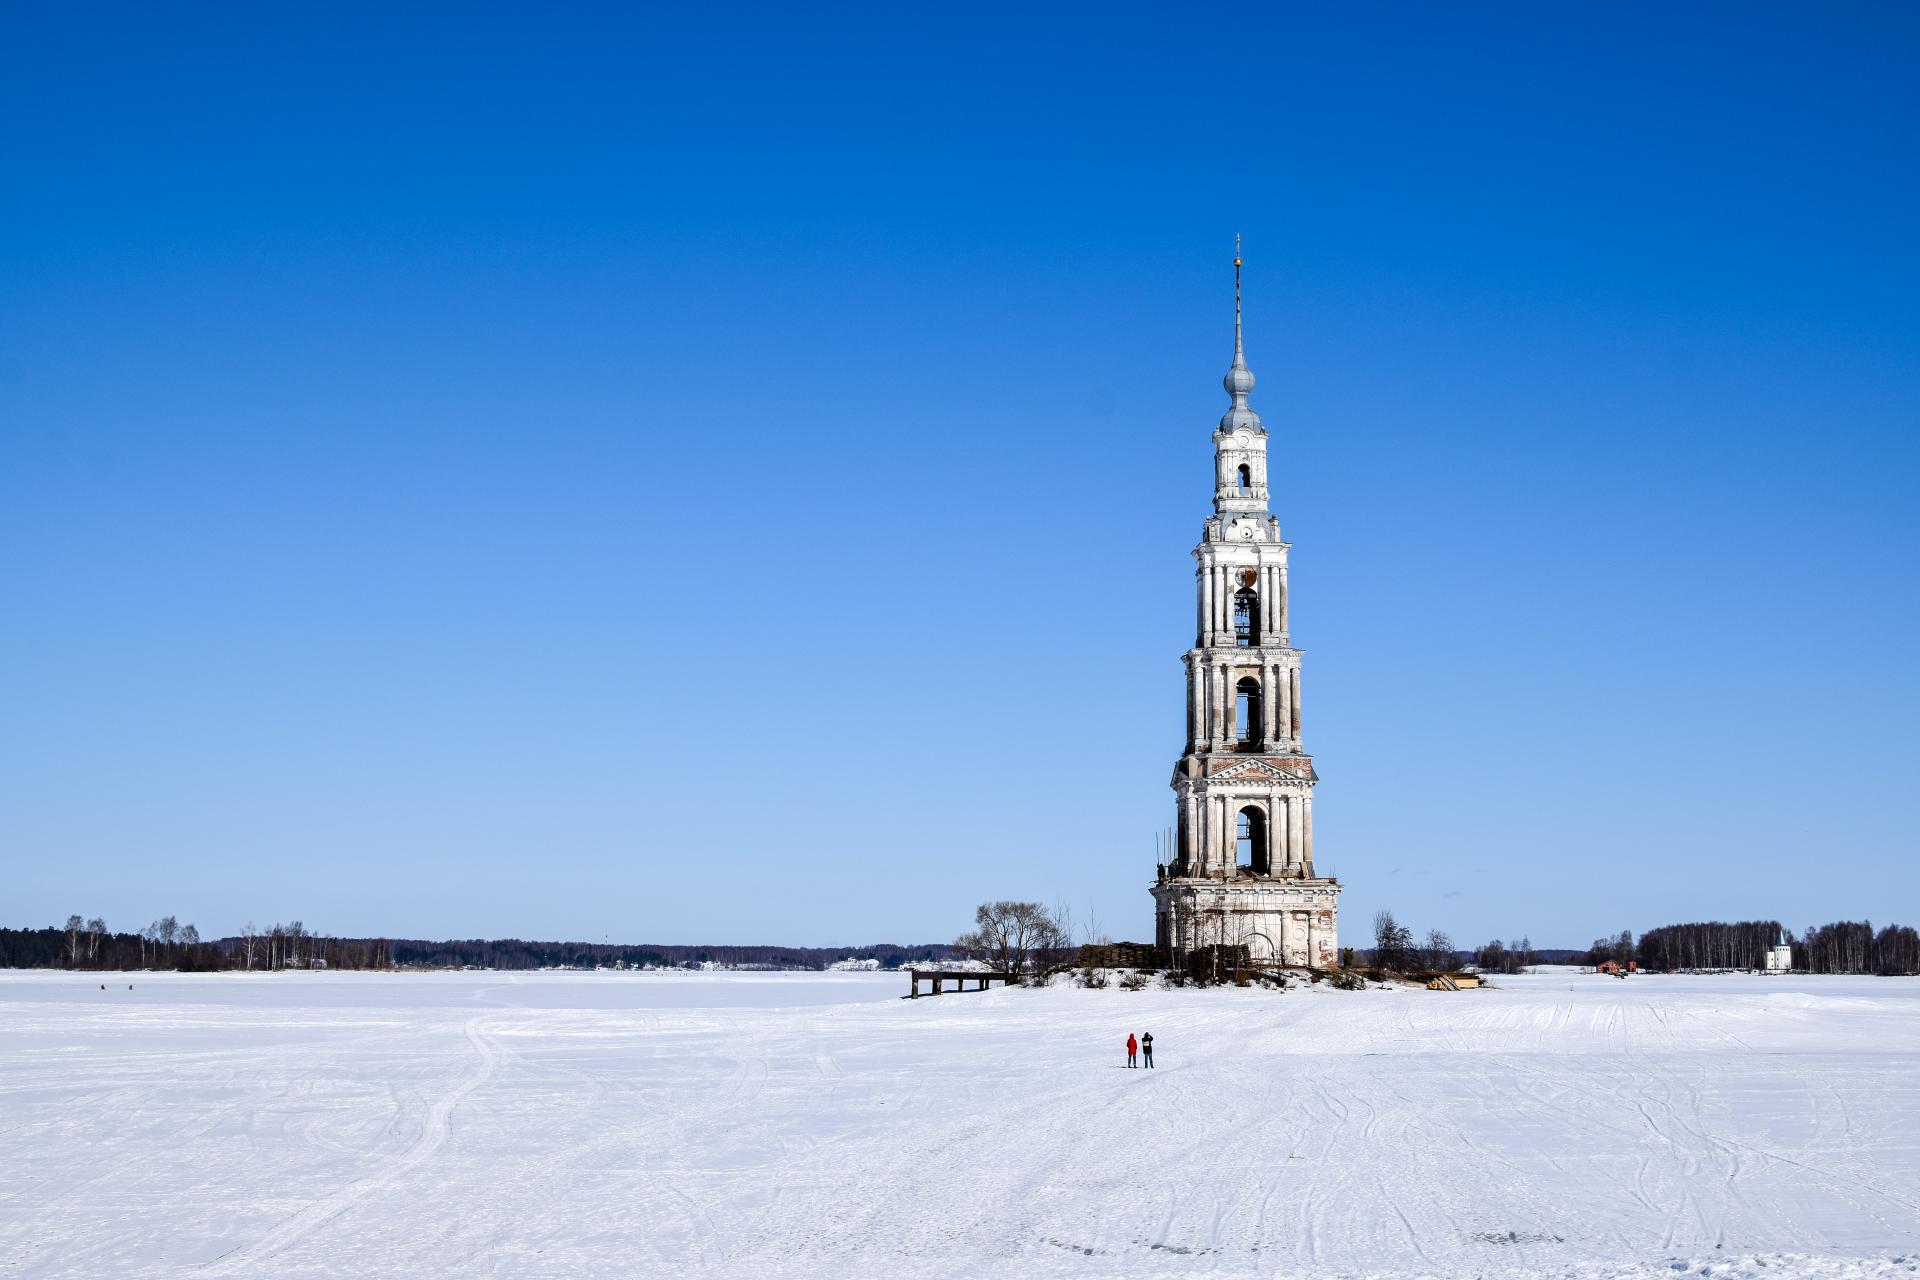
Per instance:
x=1242, y=872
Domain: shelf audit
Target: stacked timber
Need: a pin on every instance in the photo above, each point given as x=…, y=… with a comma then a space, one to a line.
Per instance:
x=1122, y=955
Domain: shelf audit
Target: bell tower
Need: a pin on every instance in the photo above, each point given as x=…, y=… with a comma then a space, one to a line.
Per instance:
x=1242, y=870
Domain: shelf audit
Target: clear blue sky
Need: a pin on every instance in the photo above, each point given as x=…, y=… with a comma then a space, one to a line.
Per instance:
x=730, y=475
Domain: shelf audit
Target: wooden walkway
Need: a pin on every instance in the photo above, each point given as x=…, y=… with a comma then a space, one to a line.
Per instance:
x=959, y=977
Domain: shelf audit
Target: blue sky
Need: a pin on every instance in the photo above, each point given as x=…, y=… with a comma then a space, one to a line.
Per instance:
x=730, y=475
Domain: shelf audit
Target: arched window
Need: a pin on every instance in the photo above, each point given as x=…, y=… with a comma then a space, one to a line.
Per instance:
x=1244, y=477
x=1246, y=617
x=1251, y=841
x=1246, y=714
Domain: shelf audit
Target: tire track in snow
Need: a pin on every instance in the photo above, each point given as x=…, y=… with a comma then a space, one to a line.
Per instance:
x=433, y=1136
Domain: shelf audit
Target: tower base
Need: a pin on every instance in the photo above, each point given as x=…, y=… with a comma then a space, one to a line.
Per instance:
x=1279, y=921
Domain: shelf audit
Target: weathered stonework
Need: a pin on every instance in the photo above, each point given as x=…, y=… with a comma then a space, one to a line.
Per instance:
x=1242, y=871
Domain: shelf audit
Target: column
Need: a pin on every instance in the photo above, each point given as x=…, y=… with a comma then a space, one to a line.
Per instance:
x=1196, y=835
x=1306, y=828
x=1223, y=727
x=1199, y=607
x=1269, y=689
x=1229, y=850
x=1277, y=832
x=1269, y=603
x=1206, y=605
x=1283, y=599
x=1194, y=727
x=1293, y=681
x=1191, y=835
x=1284, y=723
x=1215, y=841
x=1295, y=841
x=1190, y=852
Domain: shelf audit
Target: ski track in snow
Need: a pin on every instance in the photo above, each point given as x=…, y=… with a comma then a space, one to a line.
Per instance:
x=433, y=1133
x=313, y=1125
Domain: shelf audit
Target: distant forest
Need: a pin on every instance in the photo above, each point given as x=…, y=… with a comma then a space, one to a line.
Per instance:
x=1843, y=947
x=168, y=944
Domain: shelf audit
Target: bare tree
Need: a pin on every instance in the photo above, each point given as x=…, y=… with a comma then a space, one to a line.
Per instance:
x=1057, y=949
x=250, y=942
x=1439, y=952
x=96, y=934
x=1392, y=943
x=1010, y=936
x=1094, y=929
x=74, y=925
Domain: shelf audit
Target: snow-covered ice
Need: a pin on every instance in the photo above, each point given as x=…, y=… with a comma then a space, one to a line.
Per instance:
x=768, y=1125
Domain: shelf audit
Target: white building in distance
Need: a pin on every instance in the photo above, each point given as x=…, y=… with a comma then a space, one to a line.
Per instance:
x=1242, y=867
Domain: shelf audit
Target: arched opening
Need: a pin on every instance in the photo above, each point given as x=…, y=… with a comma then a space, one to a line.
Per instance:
x=1251, y=838
x=1246, y=714
x=1243, y=477
x=1246, y=617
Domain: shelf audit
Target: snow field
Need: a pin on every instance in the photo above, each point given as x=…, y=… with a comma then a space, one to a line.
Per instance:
x=484, y=1124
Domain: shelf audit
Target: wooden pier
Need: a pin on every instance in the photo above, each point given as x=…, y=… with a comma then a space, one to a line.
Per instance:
x=959, y=977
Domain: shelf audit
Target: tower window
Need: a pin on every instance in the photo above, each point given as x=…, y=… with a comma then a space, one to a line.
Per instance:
x=1251, y=841
x=1244, y=477
x=1246, y=618
x=1246, y=713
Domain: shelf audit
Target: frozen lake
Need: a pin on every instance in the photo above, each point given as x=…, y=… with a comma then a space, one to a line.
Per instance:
x=765, y=1125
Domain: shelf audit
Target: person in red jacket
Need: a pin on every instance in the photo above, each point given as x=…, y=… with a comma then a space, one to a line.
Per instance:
x=1133, y=1048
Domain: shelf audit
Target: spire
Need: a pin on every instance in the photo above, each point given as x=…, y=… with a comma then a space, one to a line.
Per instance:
x=1239, y=352
x=1239, y=379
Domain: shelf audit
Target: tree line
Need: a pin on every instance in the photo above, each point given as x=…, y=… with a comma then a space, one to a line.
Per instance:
x=1510, y=957
x=89, y=944
x=1842, y=947
x=1394, y=948
x=1710, y=944
x=513, y=953
x=168, y=944
x=1621, y=949
x=1853, y=947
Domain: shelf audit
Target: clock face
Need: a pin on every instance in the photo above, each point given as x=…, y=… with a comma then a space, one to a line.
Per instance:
x=1244, y=532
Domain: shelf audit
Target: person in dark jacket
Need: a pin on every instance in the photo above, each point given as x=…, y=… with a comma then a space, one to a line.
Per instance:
x=1133, y=1048
x=1146, y=1049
